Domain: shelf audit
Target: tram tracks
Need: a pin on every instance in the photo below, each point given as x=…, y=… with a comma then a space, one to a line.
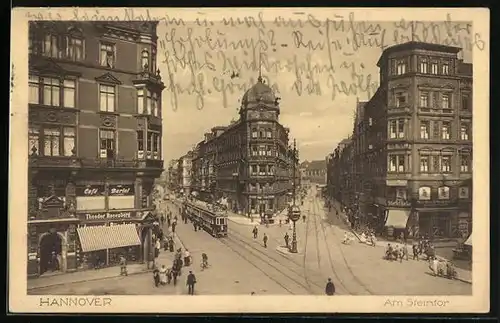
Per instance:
x=360, y=287
x=282, y=271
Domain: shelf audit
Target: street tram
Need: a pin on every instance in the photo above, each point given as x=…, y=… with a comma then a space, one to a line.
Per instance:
x=212, y=219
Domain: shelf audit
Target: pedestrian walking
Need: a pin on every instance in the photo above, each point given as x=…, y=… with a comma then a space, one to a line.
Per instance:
x=330, y=288
x=264, y=239
x=190, y=281
x=304, y=218
x=187, y=258
x=123, y=266
x=280, y=223
x=163, y=275
x=156, y=277
x=255, y=231
x=405, y=248
x=169, y=275
x=174, y=224
x=194, y=226
x=415, y=252
x=169, y=220
x=162, y=219
x=157, y=248
x=286, y=239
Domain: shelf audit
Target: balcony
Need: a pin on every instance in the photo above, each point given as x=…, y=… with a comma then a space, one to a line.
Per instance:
x=121, y=163
x=148, y=77
x=428, y=111
x=405, y=110
x=36, y=161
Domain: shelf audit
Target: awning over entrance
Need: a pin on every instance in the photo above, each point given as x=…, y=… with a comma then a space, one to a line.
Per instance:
x=468, y=242
x=108, y=237
x=397, y=219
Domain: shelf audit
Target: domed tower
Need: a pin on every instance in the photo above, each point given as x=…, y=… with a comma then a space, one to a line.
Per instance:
x=259, y=102
x=266, y=140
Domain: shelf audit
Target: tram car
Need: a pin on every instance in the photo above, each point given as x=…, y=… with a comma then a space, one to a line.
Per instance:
x=211, y=219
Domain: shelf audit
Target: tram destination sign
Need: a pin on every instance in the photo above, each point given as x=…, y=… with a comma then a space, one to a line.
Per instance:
x=102, y=216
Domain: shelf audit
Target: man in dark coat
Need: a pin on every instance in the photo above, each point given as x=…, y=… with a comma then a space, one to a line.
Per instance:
x=330, y=288
x=191, y=280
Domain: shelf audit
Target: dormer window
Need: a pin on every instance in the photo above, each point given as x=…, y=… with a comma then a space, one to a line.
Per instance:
x=145, y=60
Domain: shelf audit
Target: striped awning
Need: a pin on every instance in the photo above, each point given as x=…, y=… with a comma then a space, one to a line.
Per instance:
x=397, y=219
x=108, y=237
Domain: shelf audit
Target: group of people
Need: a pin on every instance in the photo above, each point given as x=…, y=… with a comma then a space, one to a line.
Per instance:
x=255, y=232
x=424, y=246
x=396, y=252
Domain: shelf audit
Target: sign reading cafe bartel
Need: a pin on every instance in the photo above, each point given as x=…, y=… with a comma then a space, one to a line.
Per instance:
x=121, y=190
x=107, y=216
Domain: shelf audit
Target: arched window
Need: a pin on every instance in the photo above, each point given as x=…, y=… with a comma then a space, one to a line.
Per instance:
x=145, y=59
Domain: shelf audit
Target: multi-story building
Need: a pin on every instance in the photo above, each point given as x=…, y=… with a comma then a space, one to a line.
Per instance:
x=313, y=172
x=418, y=143
x=185, y=173
x=248, y=162
x=172, y=177
x=94, y=141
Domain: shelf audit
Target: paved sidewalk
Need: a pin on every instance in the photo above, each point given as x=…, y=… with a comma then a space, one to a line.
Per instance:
x=84, y=276
x=463, y=274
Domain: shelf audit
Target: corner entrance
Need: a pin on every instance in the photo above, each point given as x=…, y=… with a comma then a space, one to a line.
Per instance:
x=51, y=253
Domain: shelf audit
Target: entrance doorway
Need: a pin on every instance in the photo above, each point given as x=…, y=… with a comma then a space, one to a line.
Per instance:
x=51, y=253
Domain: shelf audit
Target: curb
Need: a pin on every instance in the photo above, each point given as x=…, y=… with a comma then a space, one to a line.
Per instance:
x=89, y=280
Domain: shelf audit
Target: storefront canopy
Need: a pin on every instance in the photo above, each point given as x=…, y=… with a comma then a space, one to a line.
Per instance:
x=397, y=219
x=468, y=242
x=108, y=237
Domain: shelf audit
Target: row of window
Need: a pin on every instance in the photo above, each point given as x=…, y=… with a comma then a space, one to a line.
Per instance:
x=442, y=129
x=57, y=92
x=262, y=169
x=72, y=47
x=60, y=141
x=425, y=98
x=425, y=66
x=443, y=163
x=262, y=133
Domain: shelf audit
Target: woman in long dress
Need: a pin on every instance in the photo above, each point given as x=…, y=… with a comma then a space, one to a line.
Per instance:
x=163, y=275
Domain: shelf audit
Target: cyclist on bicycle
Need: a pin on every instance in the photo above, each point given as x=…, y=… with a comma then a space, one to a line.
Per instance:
x=204, y=260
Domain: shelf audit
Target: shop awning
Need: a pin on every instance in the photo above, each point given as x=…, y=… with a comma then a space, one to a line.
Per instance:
x=108, y=237
x=397, y=218
x=468, y=242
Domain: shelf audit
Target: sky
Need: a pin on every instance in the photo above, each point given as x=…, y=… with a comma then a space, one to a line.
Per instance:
x=208, y=65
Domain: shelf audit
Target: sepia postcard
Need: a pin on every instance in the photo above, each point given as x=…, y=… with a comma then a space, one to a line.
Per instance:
x=291, y=160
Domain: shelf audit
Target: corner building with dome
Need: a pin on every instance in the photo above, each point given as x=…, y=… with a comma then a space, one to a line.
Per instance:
x=249, y=162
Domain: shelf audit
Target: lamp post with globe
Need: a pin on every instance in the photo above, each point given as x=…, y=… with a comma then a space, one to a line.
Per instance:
x=294, y=210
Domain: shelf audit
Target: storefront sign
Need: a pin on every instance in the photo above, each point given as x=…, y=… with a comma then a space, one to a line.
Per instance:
x=121, y=190
x=107, y=216
x=444, y=193
x=437, y=203
x=399, y=203
x=396, y=182
x=90, y=190
x=463, y=192
x=424, y=193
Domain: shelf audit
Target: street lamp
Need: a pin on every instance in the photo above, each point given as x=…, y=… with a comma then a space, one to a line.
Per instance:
x=294, y=210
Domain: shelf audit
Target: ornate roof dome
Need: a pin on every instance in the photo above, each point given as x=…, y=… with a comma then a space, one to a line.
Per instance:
x=260, y=92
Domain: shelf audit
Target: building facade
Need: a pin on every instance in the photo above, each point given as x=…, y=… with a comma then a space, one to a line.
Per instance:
x=313, y=172
x=94, y=139
x=247, y=162
x=185, y=173
x=416, y=160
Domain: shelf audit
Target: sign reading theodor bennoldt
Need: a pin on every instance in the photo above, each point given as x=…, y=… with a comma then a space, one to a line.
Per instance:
x=107, y=216
x=121, y=190
x=90, y=190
